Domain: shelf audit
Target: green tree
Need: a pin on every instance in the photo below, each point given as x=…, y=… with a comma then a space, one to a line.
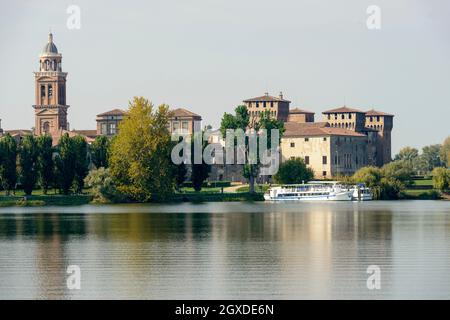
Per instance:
x=445, y=152
x=241, y=120
x=65, y=163
x=28, y=165
x=8, y=158
x=103, y=187
x=180, y=172
x=200, y=171
x=441, y=178
x=407, y=153
x=99, y=151
x=45, y=162
x=293, y=171
x=401, y=170
x=81, y=161
x=431, y=155
x=371, y=177
x=139, y=159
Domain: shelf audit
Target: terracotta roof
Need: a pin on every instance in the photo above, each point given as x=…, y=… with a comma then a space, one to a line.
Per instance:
x=343, y=109
x=114, y=112
x=294, y=129
x=369, y=129
x=378, y=113
x=298, y=110
x=58, y=134
x=266, y=97
x=22, y=132
x=88, y=133
x=180, y=112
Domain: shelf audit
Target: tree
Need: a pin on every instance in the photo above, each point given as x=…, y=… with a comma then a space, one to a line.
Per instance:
x=28, y=154
x=99, y=151
x=431, y=155
x=8, y=158
x=441, y=178
x=103, y=187
x=407, y=153
x=180, y=172
x=81, y=167
x=401, y=170
x=241, y=120
x=293, y=171
x=139, y=159
x=200, y=171
x=65, y=163
x=45, y=162
x=445, y=152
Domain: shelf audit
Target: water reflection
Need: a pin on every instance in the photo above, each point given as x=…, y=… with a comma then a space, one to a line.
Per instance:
x=227, y=250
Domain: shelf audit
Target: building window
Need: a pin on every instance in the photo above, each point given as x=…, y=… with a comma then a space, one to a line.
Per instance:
x=324, y=173
x=50, y=91
x=329, y=117
x=103, y=129
x=349, y=115
x=185, y=126
x=342, y=116
x=112, y=128
x=46, y=127
x=324, y=160
x=325, y=139
x=378, y=118
x=176, y=126
x=292, y=144
x=306, y=159
x=42, y=91
x=306, y=139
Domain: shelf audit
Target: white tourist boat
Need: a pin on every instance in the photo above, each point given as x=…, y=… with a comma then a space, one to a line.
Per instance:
x=309, y=192
x=361, y=193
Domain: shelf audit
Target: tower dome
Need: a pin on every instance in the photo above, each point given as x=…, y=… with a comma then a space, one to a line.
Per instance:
x=50, y=46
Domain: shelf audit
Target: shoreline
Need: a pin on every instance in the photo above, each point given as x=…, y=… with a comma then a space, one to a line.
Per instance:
x=79, y=200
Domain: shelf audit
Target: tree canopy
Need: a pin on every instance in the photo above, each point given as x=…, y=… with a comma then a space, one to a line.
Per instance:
x=293, y=171
x=140, y=161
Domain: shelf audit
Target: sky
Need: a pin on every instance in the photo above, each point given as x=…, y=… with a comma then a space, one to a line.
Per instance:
x=209, y=55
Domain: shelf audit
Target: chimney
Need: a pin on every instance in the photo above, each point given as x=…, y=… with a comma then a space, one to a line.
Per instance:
x=281, y=94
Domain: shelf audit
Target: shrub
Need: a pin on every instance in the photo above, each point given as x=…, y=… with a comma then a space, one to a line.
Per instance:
x=441, y=178
x=103, y=188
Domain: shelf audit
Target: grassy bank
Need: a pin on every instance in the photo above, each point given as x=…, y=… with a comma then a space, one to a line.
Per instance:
x=421, y=189
x=44, y=200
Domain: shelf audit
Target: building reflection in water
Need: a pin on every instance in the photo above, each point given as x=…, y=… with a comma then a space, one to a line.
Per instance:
x=206, y=251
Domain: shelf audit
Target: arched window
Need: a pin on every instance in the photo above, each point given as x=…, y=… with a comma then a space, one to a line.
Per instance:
x=47, y=65
x=46, y=127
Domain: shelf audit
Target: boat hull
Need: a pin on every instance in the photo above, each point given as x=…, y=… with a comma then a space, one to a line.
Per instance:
x=341, y=196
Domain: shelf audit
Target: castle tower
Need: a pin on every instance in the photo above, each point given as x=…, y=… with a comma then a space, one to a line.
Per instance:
x=346, y=118
x=50, y=92
x=383, y=123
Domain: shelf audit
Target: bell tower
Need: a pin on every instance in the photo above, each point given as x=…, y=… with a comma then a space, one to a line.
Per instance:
x=50, y=106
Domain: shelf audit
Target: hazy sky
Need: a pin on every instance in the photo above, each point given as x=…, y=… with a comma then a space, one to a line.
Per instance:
x=209, y=55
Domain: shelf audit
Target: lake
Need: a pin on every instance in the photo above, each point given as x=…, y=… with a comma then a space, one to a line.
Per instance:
x=227, y=250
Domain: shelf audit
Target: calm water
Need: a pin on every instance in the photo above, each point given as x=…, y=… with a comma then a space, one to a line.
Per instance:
x=227, y=250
